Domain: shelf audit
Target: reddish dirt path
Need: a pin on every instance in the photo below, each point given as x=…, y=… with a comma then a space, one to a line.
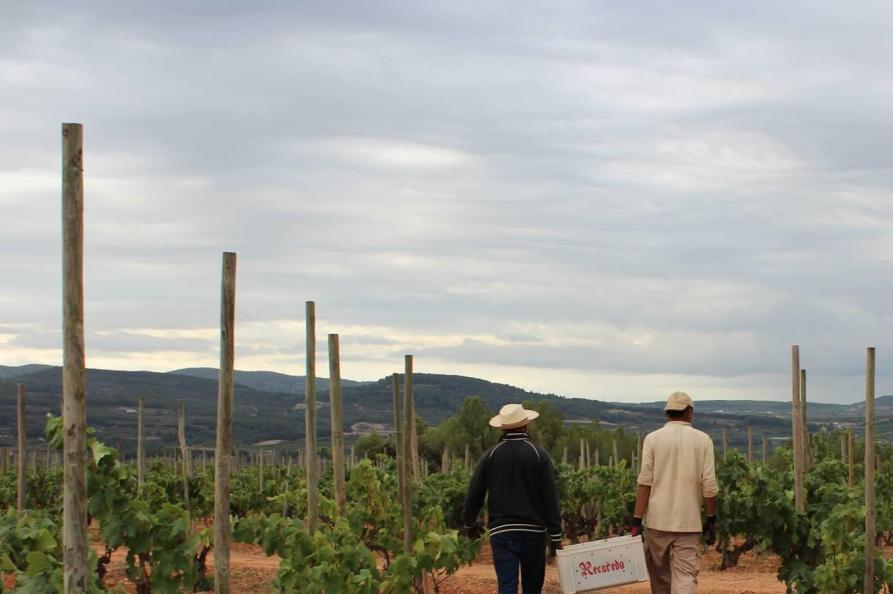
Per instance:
x=252, y=572
x=754, y=575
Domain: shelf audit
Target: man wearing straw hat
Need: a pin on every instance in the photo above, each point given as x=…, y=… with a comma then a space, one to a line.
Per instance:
x=518, y=478
x=677, y=476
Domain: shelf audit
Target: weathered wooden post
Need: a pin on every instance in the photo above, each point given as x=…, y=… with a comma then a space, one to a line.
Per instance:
x=4, y=461
x=765, y=447
x=616, y=455
x=74, y=397
x=260, y=470
x=797, y=430
x=564, y=456
x=581, y=463
x=413, y=430
x=398, y=432
x=21, y=479
x=310, y=416
x=140, y=449
x=597, y=455
x=445, y=460
x=750, y=445
x=725, y=444
x=843, y=447
x=337, y=422
x=184, y=454
x=224, y=443
x=467, y=459
x=851, y=458
x=807, y=453
x=870, y=509
x=407, y=447
x=639, y=441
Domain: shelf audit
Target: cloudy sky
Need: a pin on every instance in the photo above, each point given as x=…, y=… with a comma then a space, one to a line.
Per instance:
x=600, y=199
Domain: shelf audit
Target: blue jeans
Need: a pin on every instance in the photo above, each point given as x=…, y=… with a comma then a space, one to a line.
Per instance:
x=526, y=550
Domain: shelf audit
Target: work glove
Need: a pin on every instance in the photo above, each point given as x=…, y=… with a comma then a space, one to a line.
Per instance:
x=635, y=526
x=709, y=531
x=473, y=531
x=554, y=547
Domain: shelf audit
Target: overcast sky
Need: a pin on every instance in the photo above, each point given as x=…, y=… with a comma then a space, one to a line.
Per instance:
x=603, y=199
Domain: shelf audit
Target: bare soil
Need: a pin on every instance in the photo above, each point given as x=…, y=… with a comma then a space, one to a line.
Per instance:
x=253, y=572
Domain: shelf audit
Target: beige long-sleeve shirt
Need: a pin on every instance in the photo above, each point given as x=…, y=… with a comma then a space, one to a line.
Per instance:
x=678, y=465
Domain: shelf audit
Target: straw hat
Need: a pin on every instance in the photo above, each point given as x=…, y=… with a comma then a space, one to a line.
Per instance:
x=679, y=401
x=513, y=415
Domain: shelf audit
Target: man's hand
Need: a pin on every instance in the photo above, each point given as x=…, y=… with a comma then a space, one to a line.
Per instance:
x=635, y=526
x=709, y=531
x=554, y=547
x=474, y=531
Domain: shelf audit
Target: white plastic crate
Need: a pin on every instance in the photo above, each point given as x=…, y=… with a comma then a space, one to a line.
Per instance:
x=602, y=563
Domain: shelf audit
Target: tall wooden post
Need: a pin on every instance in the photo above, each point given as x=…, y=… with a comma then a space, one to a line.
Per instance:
x=445, y=460
x=413, y=430
x=22, y=470
x=750, y=445
x=588, y=459
x=851, y=459
x=74, y=396
x=725, y=444
x=797, y=430
x=184, y=454
x=310, y=416
x=224, y=446
x=337, y=422
x=140, y=449
x=807, y=453
x=407, y=447
x=765, y=447
x=398, y=432
x=564, y=456
x=467, y=459
x=639, y=443
x=616, y=454
x=581, y=463
x=870, y=509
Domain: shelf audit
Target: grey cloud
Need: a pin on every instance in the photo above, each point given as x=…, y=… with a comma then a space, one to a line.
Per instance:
x=717, y=171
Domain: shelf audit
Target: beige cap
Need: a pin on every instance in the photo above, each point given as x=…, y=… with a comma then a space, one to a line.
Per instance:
x=679, y=401
x=513, y=415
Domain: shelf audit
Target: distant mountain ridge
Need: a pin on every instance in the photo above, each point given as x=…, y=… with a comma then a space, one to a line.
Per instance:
x=268, y=405
x=267, y=381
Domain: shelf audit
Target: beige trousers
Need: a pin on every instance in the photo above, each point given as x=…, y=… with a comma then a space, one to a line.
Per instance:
x=673, y=561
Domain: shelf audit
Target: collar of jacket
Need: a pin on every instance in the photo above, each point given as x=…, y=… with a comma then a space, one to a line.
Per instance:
x=514, y=435
x=678, y=423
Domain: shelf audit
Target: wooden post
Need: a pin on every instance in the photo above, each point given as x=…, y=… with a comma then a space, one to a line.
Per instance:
x=639, y=441
x=224, y=446
x=413, y=436
x=851, y=459
x=616, y=456
x=4, y=468
x=597, y=461
x=337, y=422
x=843, y=448
x=21, y=480
x=467, y=459
x=445, y=460
x=564, y=456
x=870, y=509
x=407, y=447
x=765, y=447
x=140, y=449
x=807, y=454
x=750, y=445
x=581, y=463
x=725, y=444
x=588, y=459
x=398, y=433
x=184, y=454
x=260, y=471
x=797, y=430
x=310, y=416
x=353, y=457
x=74, y=416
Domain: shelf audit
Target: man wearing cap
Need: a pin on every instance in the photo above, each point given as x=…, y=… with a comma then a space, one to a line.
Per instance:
x=677, y=476
x=518, y=478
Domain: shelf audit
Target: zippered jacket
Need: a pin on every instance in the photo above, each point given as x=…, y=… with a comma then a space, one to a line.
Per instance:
x=518, y=478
